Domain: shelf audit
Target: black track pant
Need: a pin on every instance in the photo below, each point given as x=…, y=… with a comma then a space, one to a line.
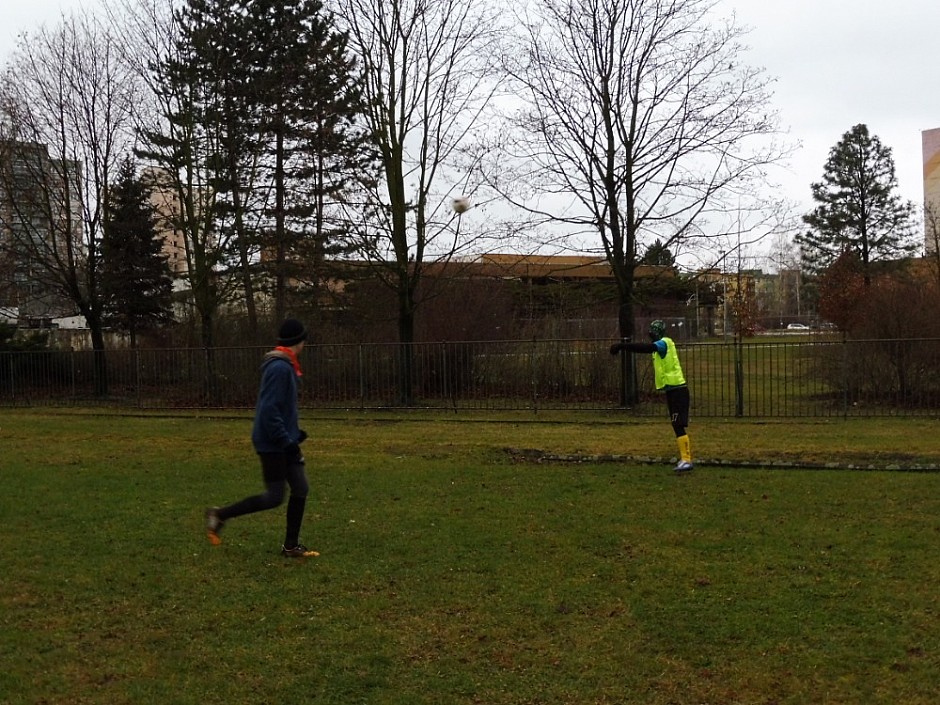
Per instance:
x=280, y=471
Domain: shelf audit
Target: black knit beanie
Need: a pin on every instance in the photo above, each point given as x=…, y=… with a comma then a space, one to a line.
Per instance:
x=291, y=332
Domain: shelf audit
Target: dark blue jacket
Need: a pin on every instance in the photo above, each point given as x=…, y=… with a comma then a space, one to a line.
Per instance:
x=276, y=419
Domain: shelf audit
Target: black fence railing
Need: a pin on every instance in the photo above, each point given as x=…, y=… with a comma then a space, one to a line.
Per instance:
x=816, y=378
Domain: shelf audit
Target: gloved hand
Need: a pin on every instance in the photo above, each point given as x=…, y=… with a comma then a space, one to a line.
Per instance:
x=615, y=348
x=303, y=436
x=293, y=453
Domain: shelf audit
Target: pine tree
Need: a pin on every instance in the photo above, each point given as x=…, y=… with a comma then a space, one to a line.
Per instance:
x=310, y=106
x=272, y=90
x=135, y=277
x=184, y=145
x=658, y=254
x=216, y=47
x=859, y=210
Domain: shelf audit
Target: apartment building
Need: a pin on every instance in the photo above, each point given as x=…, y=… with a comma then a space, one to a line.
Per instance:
x=40, y=229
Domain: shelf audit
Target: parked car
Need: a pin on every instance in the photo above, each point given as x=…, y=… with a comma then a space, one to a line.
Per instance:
x=797, y=326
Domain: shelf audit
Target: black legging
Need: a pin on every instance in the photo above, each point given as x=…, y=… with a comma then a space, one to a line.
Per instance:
x=677, y=401
x=280, y=471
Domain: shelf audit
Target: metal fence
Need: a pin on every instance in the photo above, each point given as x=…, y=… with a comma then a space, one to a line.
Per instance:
x=777, y=378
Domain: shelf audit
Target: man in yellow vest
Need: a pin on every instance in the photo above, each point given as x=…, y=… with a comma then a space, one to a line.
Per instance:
x=668, y=377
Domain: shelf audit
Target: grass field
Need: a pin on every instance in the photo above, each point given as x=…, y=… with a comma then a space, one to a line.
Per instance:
x=453, y=573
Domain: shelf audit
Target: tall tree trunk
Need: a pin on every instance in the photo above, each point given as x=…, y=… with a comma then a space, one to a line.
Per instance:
x=280, y=281
x=629, y=394
x=208, y=341
x=243, y=251
x=100, y=358
x=624, y=273
x=406, y=339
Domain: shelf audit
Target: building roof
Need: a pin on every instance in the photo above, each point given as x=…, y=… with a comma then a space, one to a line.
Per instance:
x=528, y=267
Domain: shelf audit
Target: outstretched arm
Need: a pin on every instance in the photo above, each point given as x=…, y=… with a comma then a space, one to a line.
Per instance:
x=633, y=348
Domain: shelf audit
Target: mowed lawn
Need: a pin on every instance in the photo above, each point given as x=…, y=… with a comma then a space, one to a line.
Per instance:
x=454, y=573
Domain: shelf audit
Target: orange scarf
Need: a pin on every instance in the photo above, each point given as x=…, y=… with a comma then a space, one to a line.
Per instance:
x=292, y=357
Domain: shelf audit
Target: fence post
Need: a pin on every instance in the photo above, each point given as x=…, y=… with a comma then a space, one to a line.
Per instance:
x=738, y=378
x=72, y=371
x=845, y=377
x=362, y=379
x=532, y=377
x=448, y=390
x=137, y=376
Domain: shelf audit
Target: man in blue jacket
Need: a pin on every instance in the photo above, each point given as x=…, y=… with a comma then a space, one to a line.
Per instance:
x=276, y=437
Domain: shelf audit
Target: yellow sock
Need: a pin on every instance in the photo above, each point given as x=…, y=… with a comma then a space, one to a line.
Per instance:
x=685, y=448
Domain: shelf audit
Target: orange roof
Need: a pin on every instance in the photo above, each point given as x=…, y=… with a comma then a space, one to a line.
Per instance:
x=547, y=267
x=505, y=266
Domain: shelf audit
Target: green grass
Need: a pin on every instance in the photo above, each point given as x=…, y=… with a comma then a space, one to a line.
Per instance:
x=450, y=574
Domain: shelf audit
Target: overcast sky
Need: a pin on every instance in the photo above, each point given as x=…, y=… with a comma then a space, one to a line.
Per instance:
x=837, y=63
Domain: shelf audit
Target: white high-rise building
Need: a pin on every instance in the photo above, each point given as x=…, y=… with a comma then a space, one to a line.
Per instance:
x=40, y=228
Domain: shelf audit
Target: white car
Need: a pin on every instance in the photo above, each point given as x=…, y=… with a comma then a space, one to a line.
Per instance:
x=797, y=326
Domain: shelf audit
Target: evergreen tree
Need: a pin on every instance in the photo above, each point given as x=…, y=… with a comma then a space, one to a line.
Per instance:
x=858, y=208
x=270, y=91
x=215, y=49
x=658, y=254
x=310, y=107
x=135, y=277
x=183, y=144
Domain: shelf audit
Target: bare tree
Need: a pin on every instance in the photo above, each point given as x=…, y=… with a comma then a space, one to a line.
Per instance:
x=66, y=103
x=784, y=259
x=784, y=253
x=427, y=81
x=185, y=153
x=639, y=122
